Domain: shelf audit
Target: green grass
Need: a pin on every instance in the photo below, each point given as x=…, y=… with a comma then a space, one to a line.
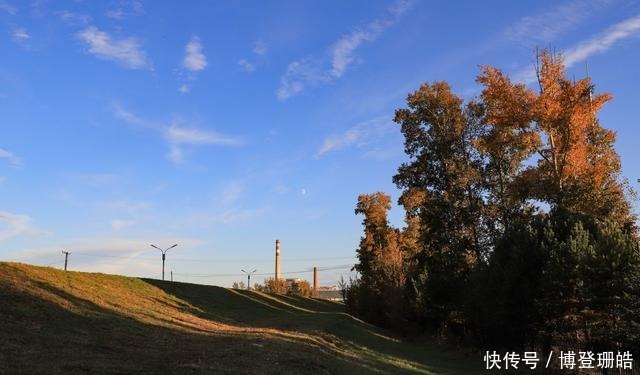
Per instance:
x=55, y=322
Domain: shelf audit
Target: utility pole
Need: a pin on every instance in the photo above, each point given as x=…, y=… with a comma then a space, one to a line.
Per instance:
x=248, y=278
x=164, y=252
x=66, y=258
x=171, y=275
x=277, y=273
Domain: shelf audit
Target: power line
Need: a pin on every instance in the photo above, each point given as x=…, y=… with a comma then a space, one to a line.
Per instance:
x=339, y=267
x=133, y=257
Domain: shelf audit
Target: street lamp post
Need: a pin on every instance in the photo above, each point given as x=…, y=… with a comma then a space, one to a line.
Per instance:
x=164, y=252
x=248, y=278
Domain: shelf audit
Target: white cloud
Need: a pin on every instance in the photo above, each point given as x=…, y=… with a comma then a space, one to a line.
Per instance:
x=72, y=18
x=119, y=224
x=230, y=193
x=127, y=8
x=602, y=42
x=6, y=7
x=2, y=180
x=359, y=135
x=246, y=66
x=177, y=134
x=13, y=160
x=229, y=216
x=16, y=225
x=127, y=51
x=343, y=51
x=194, y=60
x=116, y=14
x=123, y=205
x=597, y=44
x=382, y=154
x=175, y=154
x=546, y=26
x=259, y=48
x=298, y=74
x=184, y=88
x=117, y=255
x=310, y=72
x=97, y=179
x=129, y=117
x=20, y=35
x=335, y=142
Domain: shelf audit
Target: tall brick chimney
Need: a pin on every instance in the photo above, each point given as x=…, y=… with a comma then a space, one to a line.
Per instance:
x=277, y=260
x=315, y=282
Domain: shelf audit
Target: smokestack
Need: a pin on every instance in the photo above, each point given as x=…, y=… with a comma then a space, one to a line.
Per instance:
x=315, y=282
x=277, y=260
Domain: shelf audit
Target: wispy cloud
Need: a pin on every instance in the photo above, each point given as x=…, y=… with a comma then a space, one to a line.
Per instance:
x=119, y=224
x=177, y=133
x=9, y=8
x=74, y=19
x=310, y=72
x=546, y=26
x=17, y=225
x=126, y=9
x=175, y=154
x=259, y=48
x=602, y=42
x=20, y=35
x=124, y=255
x=13, y=160
x=127, y=212
x=230, y=193
x=125, y=51
x=123, y=205
x=97, y=179
x=246, y=66
x=127, y=116
x=194, y=60
x=230, y=216
x=301, y=73
x=359, y=135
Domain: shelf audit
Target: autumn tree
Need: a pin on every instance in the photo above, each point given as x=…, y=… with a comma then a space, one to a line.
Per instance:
x=577, y=168
x=588, y=231
x=508, y=139
x=300, y=288
x=444, y=167
x=272, y=285
x=518, y=227
x=377, y=295
x=238, y=285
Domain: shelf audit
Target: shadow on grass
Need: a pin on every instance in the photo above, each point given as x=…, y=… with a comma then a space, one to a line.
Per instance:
x=55, y=323
x=375, y=346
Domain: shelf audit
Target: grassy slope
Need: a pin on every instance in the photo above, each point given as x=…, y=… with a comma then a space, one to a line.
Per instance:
x=55, y=322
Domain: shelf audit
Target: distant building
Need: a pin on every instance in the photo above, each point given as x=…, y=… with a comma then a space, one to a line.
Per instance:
x=331, y=293
x=292, y=282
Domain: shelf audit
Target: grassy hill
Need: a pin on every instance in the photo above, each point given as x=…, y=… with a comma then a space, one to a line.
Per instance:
x=56, y=322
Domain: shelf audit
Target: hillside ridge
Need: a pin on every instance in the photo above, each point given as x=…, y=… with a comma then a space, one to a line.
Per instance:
x=58, y=322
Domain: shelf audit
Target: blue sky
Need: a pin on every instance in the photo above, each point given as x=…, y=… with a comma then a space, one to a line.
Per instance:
x=222, y=126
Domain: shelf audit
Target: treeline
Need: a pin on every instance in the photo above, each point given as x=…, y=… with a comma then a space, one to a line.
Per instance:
x=296, y=287
x=519, y=231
